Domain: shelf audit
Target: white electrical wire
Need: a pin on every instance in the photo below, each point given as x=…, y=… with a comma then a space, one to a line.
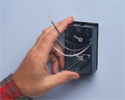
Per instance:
x=74, y=55
x=84, y=49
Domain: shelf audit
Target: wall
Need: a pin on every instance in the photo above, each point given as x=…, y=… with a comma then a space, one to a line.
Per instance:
x=23, y=21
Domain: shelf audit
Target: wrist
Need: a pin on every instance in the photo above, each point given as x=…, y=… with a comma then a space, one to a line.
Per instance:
x=22, y=87
x=9, y=89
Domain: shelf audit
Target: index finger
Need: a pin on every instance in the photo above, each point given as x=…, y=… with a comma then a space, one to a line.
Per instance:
x=46, y=43
x=60, y=27
x=45, y=31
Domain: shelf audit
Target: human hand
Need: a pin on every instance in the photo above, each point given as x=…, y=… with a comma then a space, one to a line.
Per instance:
x=33, y=77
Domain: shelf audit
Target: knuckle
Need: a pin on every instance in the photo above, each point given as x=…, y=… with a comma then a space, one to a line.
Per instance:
x=45, y=31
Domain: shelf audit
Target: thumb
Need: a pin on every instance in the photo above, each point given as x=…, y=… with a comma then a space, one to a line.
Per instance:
x=63, y=77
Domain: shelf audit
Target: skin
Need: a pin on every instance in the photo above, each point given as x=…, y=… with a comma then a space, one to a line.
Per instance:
x=33, y=77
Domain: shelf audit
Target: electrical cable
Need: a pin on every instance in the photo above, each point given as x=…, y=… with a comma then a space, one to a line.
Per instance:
x=74, y=55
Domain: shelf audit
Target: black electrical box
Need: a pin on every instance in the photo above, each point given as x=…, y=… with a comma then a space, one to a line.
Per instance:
x=82, y=37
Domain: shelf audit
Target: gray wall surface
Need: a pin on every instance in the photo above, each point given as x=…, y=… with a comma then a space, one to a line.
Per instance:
x=22, y=21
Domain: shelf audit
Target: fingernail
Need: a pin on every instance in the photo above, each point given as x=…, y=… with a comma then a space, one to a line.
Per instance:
x=74, y=77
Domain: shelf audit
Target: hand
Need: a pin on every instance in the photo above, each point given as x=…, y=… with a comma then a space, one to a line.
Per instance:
x=33, y=77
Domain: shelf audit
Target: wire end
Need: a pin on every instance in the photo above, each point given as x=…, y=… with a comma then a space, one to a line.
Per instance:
x=49, y=17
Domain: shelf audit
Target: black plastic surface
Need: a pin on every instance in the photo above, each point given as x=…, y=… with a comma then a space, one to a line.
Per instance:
x=86, y=31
